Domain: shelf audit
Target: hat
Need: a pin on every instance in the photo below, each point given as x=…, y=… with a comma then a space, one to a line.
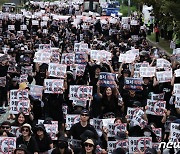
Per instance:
x=63, y=138
x=87, y=134
x=85, y=112
x=28, y=126
x=120, y=136
x=21, y=147
x=22, y=86
x=150, y=151
x=90, y=141
x=41, y=126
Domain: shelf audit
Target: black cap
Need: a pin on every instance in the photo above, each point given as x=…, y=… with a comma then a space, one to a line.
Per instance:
x=41, y=126
x=21, y=147
x=85, y=112
x=88, y=134
x=63, y=138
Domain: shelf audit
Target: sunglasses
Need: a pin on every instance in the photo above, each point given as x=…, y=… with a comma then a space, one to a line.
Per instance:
x=5, y=127
x=84, y=115
x=25, y=130
x=88, y=145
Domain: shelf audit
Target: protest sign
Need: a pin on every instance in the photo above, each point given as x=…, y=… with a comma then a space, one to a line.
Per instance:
x=107, y=121
x=57, y=70
x=138, y=120
x=98, y=124
x=133, y=83
x=54, y=86
x=42, y=57
x=131, y=112
x=75, y=143
x=147, y=71
x=19, y=94
x=158, y=132
x=15, y=131
x=136, y=74
x=45, y=47
x=55, y=55
x=162, y=63
x=80, y=92
x=27, y=70
x=68, y=58
x=113, y=129
x=177, y=101
x=23, y=27
x=134, y=22
x=155, y=145
x=71, y=119
x=2, y=81
x=40, y=121
x=82, y=103
x=125, y=20
x=164, y=76
x=176, y=88
x=80, y=69
x=139, y=144
x=133, y=51
x=157, y=96
x=76, y=47
x=43, y=23
x=83, y=47
x=35, y=22
x=36, y=91
x=106, y=79
x=177, y=72
x=23, y=78
x=127, y=58
x=81, y=58
x=52, y=130
x=112, y=145
x=156, y=107
x=11, y=27
x=135, y=37
x=19, y=106
x=100, y=55
x=7, y=145
x=175, y=132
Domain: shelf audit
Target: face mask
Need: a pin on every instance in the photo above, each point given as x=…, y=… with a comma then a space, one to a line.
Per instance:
x=62, y=145
x=147, y=134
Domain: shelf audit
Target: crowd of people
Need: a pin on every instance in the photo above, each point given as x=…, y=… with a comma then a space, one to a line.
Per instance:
x=52, y=26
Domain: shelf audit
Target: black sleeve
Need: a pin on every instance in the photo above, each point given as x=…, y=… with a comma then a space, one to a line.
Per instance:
x=34, y=145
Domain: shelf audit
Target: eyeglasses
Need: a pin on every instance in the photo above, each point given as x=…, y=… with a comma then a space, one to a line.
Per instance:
x=5, y=127
x=25, y=130
x=86, y=115
x=88, y=145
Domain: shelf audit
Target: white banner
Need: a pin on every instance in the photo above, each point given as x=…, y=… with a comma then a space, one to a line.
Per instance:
x=57, y=70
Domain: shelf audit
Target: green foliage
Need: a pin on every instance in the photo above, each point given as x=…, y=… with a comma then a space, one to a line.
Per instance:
x=124, y=9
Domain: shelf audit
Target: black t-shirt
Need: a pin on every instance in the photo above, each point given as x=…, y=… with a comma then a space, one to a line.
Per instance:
x=31, y=144
x=77, y=129
x=44, y=143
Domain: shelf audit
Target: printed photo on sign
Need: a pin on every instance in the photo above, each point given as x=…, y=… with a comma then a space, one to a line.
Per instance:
x=177, y=101
x=113, y=129
x=158, y=132
x=133, y=83
x=19, y=106
x=81, y=58
x=131, y=112
x=57, y=70
x=71, y=119
x=80, y=92
x=36, y=91
x=176, y=88
x=45, y=47
x=68, y=58
x=156, y=107
x=8, y=145
x=15, y=131
x=98, y=124
x=52, y=130
x=82, y=103
x=54, y=86
x=139, y=144
x=106, y=79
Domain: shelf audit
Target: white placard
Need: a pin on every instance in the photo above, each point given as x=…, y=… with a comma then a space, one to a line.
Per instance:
x=71, y=119
x=147, y=71
x=112, y=145
x=127, y=58
x=164, y=76
x=54, y=86
x=52, y=130
x=177, y=72
x=139, y=144
x=80, y=92
x=11, y=27
x=57, y=70
x=162, y=63
x=8, y=145
x=156, y=107
x=42, y=57
x=177, y=101
x=174, y=132
x=23, y=27
x=176, y=88
x=113, y=129
x=68, y=58
x=35, y=22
